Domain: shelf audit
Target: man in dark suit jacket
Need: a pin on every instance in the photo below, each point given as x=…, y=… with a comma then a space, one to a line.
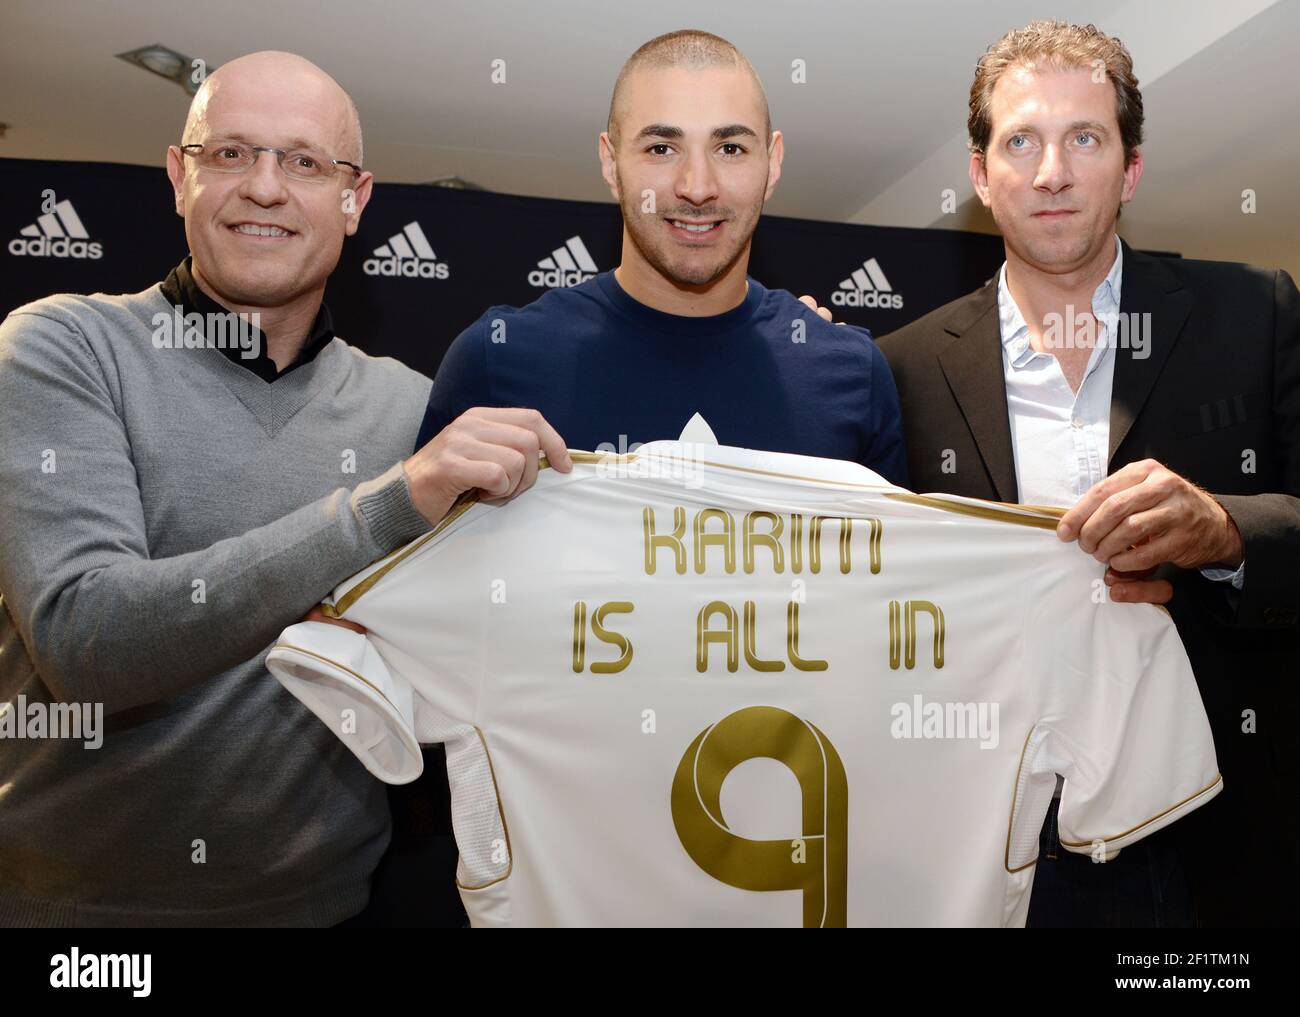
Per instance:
x=1204, y=396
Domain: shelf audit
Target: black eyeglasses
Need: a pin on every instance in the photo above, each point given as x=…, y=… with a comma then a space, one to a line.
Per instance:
x=224, y=156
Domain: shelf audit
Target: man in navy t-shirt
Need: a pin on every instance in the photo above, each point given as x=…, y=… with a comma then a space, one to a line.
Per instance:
x=679, y=329
x=609, y=372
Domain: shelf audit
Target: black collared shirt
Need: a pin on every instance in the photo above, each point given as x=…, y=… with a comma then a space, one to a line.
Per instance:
x=180, y=288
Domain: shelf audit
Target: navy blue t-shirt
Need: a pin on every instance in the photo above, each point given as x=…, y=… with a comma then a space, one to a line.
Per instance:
x=608, y=372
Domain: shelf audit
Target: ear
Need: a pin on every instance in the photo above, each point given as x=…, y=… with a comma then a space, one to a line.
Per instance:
x=1132, y=174
x=360, y=195
x=775, y=153
x=979, y=177
x=176, y=174
x=608, y=168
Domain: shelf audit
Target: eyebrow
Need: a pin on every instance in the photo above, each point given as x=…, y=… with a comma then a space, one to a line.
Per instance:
x=733, y=131
x=676, y=133
x=1078, y=125
x=293, y=143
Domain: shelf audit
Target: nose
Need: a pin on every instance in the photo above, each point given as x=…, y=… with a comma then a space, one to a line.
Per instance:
x=1053, y=173
x=263, y=183
x=696, y=182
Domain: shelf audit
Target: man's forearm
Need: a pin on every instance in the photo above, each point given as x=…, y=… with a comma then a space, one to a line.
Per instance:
x=137, y=630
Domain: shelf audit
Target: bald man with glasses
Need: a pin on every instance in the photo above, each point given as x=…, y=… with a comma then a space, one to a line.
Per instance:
x=171, y=501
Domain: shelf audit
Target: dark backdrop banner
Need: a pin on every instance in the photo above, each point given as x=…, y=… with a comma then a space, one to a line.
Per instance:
x=427, y=261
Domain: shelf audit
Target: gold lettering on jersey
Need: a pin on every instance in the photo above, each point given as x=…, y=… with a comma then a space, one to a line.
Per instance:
x=902, y=632
x=895, y=637
x=726, y=539
x=771, y=539
x=704, y=635
x=604, y=634
x=792, y=641
x=613, y=638
x=766, y=540
x=579, y=636
x=751, y=654
x=815, y=543
x=820, y=868
x=715, y=527
x=877, y=528
x=672, y=541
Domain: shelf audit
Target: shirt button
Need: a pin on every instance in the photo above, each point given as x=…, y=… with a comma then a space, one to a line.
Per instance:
x=1077, y=423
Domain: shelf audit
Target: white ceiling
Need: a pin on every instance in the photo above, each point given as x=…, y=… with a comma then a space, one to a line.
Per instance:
x=875, y=133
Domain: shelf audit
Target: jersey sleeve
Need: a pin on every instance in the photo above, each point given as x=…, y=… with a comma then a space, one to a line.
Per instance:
x=1125, y=726
x=412, y=677
x=338, y=674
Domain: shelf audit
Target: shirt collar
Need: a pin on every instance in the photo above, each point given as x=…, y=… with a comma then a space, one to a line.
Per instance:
x=179, y=288
x=683, y=327
x=1015, y=330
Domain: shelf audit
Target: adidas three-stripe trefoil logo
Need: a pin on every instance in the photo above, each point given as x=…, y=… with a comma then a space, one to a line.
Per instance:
x=56, y=234
x=867, y=287
x=408, y=254
x=568, y=265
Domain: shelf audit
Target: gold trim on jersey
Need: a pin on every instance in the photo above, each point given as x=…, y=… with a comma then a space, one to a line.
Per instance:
x=459, y=508
x=1218, y=779
x=1051, y=510
x=337, y=609
x=590, y=458
x=1054, y=511
x=1003, y=513
x=505, y=829
x=1011, y=819
x=997, y=511
x=341, y=667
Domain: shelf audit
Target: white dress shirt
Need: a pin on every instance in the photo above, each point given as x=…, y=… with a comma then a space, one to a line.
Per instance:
x=1060, y=438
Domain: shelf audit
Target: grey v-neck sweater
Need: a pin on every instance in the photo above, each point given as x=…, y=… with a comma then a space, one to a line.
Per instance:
x=164, y=513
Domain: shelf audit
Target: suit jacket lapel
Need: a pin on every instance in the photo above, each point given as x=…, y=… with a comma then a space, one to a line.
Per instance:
x=972, y=363
x=1146, y=287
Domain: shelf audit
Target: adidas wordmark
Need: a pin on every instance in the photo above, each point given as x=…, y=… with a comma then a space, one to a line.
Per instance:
x=867, y=287
x=568, y=265
x=57, y=234
x=408, y=254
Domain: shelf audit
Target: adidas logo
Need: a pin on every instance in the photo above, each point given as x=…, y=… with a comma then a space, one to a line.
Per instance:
x=407, y=254
x=57, y=234
x=867, y=287
x=567, y=266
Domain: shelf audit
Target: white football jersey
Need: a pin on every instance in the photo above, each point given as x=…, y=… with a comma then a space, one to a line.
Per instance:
x=712, y=686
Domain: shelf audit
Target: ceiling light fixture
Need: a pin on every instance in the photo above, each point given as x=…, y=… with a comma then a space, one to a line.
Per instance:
x=455, y=184
x=167, y=63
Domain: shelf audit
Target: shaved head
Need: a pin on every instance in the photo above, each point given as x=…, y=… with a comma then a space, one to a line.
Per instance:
x=690, y=156
x=270, y=73
x=278, y=101
x=687, y=48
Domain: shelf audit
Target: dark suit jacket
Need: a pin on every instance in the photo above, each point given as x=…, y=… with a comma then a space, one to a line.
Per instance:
x=1218, y=394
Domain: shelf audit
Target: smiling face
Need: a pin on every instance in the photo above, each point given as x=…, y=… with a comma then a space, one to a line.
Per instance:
x=1054, y=174
x=694, y=138
x=259, y=238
